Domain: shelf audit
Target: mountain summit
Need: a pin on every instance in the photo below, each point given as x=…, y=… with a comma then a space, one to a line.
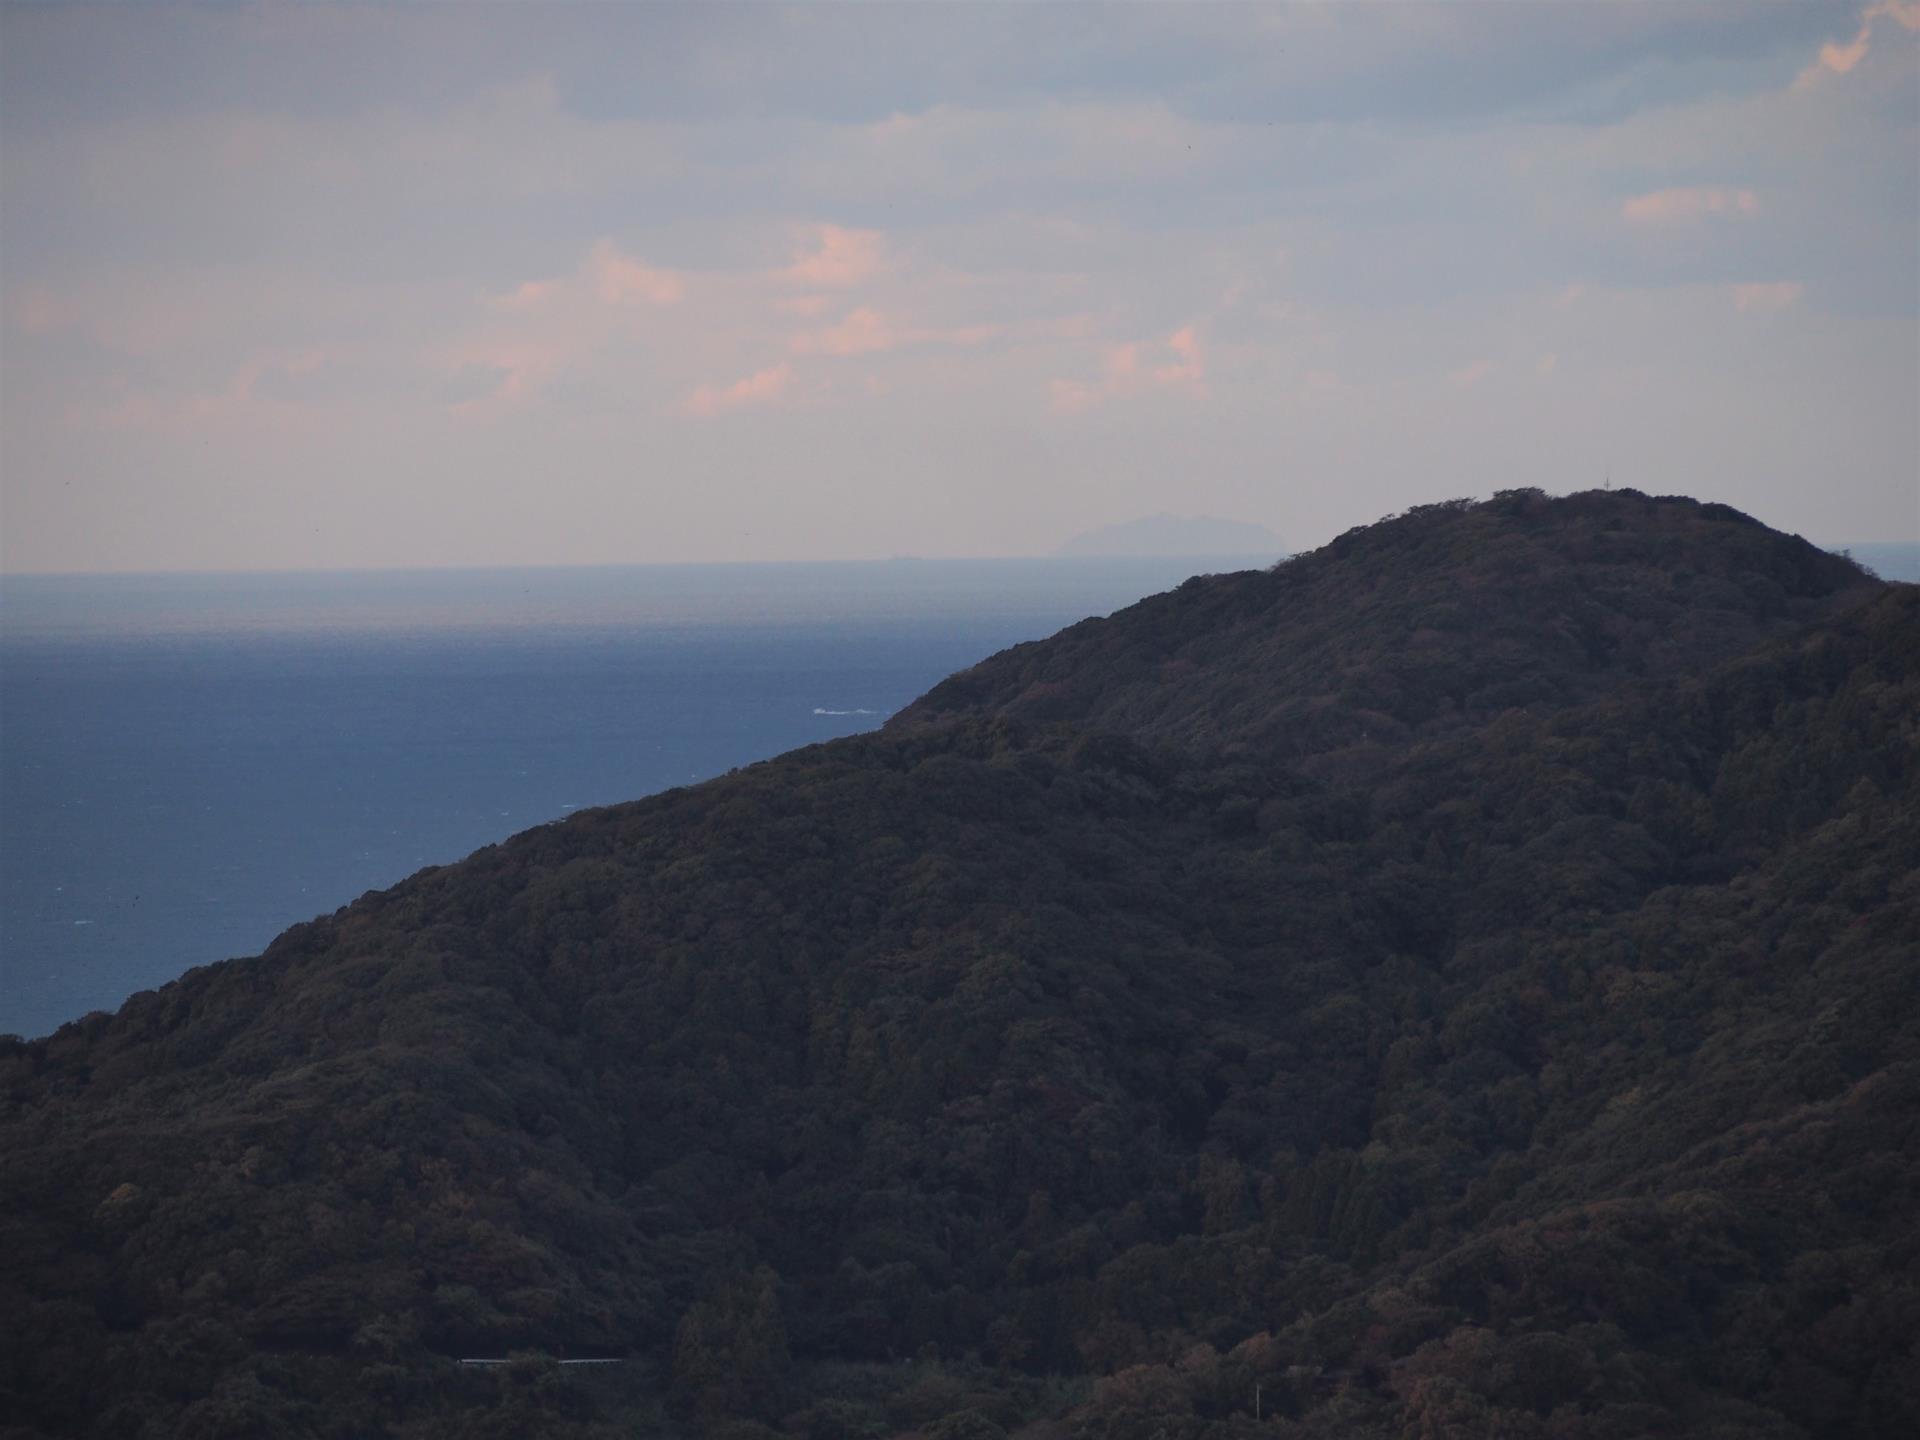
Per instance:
x=1461, y=981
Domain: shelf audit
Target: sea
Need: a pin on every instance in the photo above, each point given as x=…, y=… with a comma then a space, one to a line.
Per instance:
x=191, y=763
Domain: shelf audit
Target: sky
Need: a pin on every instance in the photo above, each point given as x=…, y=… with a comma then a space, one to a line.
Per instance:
x=319, y=286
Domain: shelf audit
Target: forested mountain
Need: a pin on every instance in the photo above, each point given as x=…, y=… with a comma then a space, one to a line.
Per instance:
x=1461, y=982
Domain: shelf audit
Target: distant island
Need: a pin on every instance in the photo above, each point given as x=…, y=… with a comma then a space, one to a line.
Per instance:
x=1176, y=535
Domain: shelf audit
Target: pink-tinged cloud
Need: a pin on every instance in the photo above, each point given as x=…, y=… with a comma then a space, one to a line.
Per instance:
x=838, y=259
x=1131, y=366
x=1190, y=368
x=1688, y=203
x=531, y=295
x=1842, y=58
x=544, y=328
x=239, y=402
x=519, y=367
x=624, y=280
x=1070, y=397
x=807, y=307
x=1468, y=376
x=867, y=331
x=1838, y=59
x=606, y=277
x=763, y=387
x=139, y=319
x=864, y=332
x=1767, y=296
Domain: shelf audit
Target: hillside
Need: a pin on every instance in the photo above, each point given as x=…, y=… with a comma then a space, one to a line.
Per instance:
x=1460, y=982
x=1434, y=620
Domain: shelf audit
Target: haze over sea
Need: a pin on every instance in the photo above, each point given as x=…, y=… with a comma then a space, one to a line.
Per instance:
x=191, y=763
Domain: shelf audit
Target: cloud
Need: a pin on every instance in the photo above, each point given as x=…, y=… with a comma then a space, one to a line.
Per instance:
x=1688, y=203
x=606, y=277
x=867, y=331
x=1838, y=59
x=512, y=274
x=806, y=306
x=1070, y=397
x=1190, y=368
x=763, y=387
x=624, y=280
x=129, y=315
x=1468, y=376
x=265, y=391
x=863, y=332
x=1131, y=366
x=839, y=258
x=529, y=296
x=1040, y=149
x=543, y=328
x=616, y=313
x=1767, y=296
x=497, y=371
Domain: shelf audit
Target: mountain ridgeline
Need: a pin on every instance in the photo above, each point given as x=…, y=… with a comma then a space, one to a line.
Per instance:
x=1459, y=982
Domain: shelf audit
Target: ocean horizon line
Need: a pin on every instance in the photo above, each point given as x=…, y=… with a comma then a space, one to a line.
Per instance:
x=542, y=567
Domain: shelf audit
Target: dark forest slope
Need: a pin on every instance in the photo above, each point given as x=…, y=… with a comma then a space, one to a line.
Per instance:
x=1460, y=983
x=1432, y=620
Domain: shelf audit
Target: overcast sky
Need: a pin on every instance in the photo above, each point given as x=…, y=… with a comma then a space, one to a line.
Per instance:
x=346, y=286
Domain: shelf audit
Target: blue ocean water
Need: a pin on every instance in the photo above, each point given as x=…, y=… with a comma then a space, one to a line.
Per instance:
x=189, y=764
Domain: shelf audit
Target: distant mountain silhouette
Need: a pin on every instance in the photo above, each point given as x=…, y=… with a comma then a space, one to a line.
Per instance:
x=1463, y=981
x=1195, y=535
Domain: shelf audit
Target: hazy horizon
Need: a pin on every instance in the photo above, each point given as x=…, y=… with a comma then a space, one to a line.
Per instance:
x=1052, y=555
x=1041, y=557
x=334, y=288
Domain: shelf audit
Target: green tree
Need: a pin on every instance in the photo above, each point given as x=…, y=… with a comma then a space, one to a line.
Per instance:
x=730, y=1350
